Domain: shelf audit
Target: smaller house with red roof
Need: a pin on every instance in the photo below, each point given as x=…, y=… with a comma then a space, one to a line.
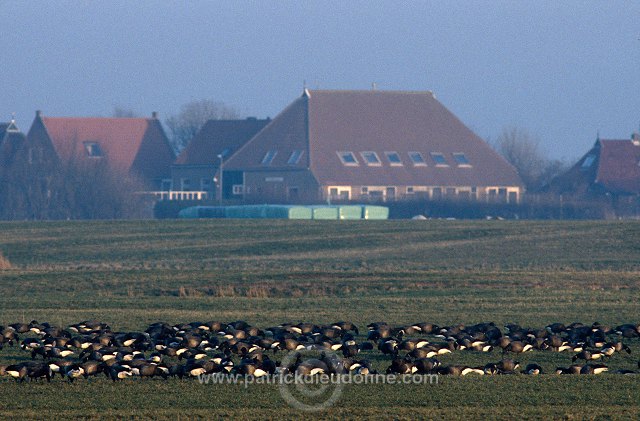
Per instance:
x=611, y=167
x=136, y=147
x=195, y=170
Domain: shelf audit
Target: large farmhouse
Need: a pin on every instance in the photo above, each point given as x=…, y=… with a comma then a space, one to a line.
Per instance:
x=611, y=167
x=361, y=145
x=132, y=146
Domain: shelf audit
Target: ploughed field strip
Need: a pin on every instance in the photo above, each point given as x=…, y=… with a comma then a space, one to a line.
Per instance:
x=188, y=350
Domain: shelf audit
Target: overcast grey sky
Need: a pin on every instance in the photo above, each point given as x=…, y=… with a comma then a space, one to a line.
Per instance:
x=564, y=70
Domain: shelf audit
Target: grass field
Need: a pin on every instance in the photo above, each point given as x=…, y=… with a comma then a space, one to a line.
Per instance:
x=131, y=274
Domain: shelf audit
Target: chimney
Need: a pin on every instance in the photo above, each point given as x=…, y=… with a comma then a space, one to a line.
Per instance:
x=38, y=113
x=635, y=138
x=154, y=115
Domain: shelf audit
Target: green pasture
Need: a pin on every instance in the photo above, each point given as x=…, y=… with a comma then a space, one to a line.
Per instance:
x=132, y=273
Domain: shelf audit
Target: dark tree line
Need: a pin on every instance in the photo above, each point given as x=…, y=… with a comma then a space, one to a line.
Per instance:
x=37, y=187
x=523, y=151
x=183, y=126
x=192, y=116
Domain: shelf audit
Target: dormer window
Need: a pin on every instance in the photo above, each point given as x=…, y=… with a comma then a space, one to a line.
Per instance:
x=93, y=149
x=268, y=157
x=295, y=157
x=439, y=159
x=588, y=161
x=348, y=158
x=394, y=159
x=417, y=159
x=371, y=158
x=461, y=159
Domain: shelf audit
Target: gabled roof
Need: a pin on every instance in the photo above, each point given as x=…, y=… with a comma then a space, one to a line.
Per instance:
x=322, y=123
x=11, y=138
x=619, y=166
x=609, y=166
x=130, y=144
x=8, y=128
x=119, y=138
x=219, y=137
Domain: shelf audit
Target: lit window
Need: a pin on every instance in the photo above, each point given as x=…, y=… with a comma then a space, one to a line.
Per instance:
x=371, y=158
x=268, y=157
x=295, y=157
x=348, y=158
x=417, y=159
x=394, y=158
x=438, y=158
x=93, y=149
x=588, y=161
x=461, y=160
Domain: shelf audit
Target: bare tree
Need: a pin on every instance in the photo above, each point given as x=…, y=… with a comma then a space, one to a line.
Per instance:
x=192, y=116
x=40, y=186
x=523, y=151
x=122, y=112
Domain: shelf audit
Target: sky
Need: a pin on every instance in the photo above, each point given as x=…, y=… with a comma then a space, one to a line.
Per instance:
x=565, y=71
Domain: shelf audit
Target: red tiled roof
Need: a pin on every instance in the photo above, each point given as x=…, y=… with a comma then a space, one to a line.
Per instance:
x=320, y=123
x=218, y=136
x=130, y=144
x=618, y=166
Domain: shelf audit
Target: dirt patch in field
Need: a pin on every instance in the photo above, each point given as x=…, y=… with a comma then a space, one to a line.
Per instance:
x=287, y=289
x=4, y=262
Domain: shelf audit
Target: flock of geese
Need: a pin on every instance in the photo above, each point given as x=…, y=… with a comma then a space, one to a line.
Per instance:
x=92, y=348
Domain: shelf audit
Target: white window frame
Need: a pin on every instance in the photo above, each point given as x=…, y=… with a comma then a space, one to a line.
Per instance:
x=372, y=154
x=93, y=149
x=291, y=160
x=465, y=164
x=394, y=164
x=268, y=157
x=439, y=155
x=348, y=164
x=588, y=161
x=423, y=163
x=339, y=190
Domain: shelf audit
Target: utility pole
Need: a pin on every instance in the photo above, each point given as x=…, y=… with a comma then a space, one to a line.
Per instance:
x=221, y=169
